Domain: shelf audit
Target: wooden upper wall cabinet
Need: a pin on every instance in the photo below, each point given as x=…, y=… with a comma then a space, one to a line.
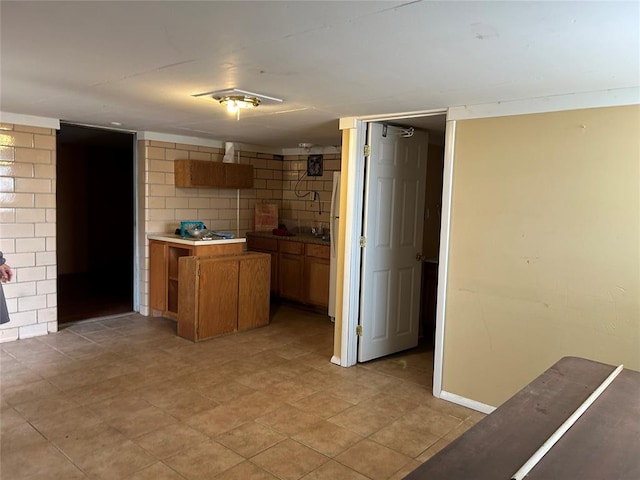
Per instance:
x=238, y=176
x=203, y=174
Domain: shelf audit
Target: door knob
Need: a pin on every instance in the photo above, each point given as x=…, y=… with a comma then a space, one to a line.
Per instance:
x=419, y=257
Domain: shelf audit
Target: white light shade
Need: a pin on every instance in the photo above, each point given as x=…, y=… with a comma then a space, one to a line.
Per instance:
x=236, y=102
x=231, y=106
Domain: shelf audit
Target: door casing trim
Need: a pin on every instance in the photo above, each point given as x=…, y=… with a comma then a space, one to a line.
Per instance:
x=356, y=127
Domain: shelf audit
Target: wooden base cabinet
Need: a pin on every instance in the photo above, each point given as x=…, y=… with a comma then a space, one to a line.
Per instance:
x=291, y=270
x=270, y=246
x=299, y=269
x=163, y=271
x=316, y=275
x=158, y=275
x=223, y=294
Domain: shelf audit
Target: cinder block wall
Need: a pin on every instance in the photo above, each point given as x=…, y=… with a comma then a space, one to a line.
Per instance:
x=28, y=211
x=28, y=228
x=298, y=210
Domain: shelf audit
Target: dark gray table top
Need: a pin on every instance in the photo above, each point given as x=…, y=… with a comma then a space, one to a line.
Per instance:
x=603, y=444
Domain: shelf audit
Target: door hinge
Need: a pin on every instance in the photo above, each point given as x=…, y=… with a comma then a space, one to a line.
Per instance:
x=367, y=150
x=363, y=242
x=198, y=272
x=359, y=330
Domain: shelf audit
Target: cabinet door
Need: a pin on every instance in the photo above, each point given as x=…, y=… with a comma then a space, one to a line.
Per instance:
x=198, y=173
x=290, y=273
x=157, y=276
x=267, y=245
x=217, y=298
x=238, y=176
x=253, y=300
x=275, y=287
x=203, y=173
x=187, y=298
x=316, y=272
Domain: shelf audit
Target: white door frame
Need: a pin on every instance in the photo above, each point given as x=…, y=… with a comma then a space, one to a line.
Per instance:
x=356, y=127
x=353, y=223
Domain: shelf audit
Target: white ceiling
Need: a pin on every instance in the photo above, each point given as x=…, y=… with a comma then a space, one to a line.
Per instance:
x=140, y=63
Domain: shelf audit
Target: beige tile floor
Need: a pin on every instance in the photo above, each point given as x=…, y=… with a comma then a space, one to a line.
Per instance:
x=124, y=398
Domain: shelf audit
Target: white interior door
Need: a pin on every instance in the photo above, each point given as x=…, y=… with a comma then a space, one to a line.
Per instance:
x=392, y=225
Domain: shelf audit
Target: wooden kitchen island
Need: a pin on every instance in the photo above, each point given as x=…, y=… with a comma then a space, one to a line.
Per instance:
x=211, y=287
x=165, y=249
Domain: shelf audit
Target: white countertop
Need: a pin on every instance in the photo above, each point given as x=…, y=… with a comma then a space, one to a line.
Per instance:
x=170, y=237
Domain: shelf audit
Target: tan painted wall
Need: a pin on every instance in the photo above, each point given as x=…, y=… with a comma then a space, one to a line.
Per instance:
x=340, y=260
x=545, y=247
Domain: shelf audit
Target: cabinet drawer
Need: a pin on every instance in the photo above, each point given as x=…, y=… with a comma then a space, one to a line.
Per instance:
x=294, y=248
x=260, y=243
x=319, y=251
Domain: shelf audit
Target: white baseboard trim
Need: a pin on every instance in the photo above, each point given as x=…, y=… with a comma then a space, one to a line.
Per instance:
x=335, y=360
x=8, y=335
x=36, y=330
x=466, y=402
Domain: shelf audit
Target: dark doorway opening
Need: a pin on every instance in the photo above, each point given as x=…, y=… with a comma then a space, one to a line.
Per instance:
x=431, y=239
x=95, y=222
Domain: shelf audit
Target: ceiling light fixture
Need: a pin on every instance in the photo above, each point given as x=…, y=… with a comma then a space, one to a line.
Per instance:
x=235, y=100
